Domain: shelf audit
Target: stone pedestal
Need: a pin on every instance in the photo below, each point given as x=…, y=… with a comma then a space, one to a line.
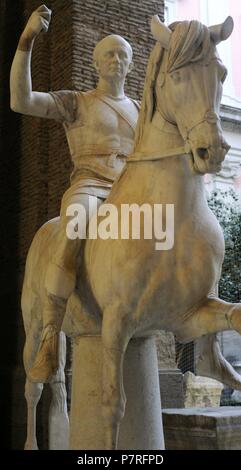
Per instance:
x=141, y=427
x=203, y=428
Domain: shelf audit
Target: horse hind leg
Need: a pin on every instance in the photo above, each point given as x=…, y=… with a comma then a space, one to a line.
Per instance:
x=211, y=363
x=213, y=316
x=115, y=340
x=58, y=415
x=33, y=393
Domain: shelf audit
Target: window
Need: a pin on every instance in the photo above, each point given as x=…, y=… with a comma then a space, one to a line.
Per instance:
x=170, y=11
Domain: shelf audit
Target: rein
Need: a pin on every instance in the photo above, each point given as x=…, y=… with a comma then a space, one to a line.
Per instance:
x=163, y=124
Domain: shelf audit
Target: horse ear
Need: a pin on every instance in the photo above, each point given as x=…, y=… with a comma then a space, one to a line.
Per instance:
x=222, y=31
x=160, y=32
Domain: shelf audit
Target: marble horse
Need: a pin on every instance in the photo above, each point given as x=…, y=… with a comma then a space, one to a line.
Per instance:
x=126, y=288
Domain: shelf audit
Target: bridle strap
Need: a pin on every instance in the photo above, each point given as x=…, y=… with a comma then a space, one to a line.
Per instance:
x=162, y=124
x=210, y=117
x=152, y=156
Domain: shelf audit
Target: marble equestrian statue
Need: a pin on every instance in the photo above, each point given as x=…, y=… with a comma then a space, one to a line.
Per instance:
x=178, y=140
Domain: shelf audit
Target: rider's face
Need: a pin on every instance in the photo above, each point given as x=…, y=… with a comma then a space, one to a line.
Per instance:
x=113, y=61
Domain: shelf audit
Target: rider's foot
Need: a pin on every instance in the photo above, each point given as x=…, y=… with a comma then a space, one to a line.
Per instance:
x=211, y=363
x=46, y=360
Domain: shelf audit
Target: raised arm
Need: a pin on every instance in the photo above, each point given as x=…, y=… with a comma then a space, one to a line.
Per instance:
x=23, y=99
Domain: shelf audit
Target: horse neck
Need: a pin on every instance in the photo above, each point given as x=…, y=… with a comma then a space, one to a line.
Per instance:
x=159, y=137
x=168, y=167
x=172, y=175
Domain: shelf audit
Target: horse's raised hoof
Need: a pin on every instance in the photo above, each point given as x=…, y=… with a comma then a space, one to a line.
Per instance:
x=212, y=364
x=46, y=360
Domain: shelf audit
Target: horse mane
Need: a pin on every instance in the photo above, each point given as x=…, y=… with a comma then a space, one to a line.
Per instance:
x=190, y=42
x=148, y=99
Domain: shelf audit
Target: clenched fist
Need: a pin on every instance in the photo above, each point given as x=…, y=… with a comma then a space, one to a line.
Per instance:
x=38, y=21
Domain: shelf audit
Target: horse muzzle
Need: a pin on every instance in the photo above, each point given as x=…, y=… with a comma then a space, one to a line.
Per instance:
x=207, y=144
x=208, y=159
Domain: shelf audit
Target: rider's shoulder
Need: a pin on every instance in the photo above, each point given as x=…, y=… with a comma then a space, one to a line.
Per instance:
x=136, y=102
x=85, y=96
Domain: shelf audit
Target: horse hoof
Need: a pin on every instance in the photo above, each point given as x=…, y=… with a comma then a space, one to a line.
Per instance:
x=31, y=446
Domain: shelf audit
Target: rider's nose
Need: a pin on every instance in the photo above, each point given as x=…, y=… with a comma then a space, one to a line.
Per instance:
x=116, y=57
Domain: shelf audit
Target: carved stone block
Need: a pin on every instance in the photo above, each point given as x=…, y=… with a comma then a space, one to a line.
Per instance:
x=203, y=428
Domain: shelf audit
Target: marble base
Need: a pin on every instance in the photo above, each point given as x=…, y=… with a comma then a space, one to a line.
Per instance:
x=203, y=428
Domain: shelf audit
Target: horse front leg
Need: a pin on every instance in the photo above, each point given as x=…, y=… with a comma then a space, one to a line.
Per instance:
x=214, y=315
x=33, y=393
x=58, y=415
x=113, y=398
x=115, y=338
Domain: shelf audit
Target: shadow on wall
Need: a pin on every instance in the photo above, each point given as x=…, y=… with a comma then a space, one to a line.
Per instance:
x=10, y=26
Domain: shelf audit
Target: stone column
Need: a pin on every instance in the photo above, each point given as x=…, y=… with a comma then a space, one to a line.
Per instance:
x=141, y=427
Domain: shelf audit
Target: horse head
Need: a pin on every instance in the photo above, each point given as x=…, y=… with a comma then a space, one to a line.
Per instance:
x=187, y=88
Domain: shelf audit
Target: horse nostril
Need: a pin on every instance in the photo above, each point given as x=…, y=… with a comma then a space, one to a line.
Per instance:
x=203, y=153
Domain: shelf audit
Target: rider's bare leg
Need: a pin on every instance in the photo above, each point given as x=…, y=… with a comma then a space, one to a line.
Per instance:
x=60, y=283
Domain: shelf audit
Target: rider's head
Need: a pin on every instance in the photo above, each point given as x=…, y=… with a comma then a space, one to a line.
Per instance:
x=113, y=57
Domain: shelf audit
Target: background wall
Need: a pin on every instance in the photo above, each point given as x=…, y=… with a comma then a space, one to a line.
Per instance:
x=212, y=12
x=35, y=163
x=225, y=206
